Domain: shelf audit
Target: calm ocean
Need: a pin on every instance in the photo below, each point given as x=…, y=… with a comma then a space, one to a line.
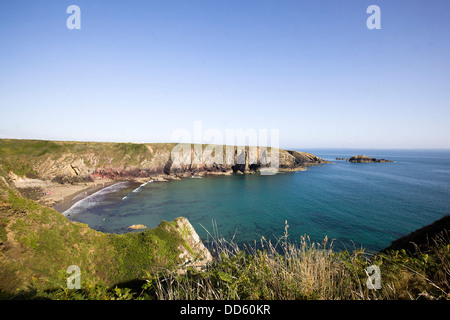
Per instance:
x=356, y=204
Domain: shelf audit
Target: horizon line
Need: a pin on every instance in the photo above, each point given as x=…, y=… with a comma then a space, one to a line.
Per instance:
x=284, y=148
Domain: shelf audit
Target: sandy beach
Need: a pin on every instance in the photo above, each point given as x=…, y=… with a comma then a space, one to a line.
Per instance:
x=63, y=196
x=57, y=195
x=69, y=195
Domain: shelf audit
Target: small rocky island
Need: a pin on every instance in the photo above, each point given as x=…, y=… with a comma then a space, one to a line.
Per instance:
x=363, y=159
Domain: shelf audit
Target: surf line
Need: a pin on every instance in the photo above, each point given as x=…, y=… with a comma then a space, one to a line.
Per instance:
x=92, y=197
x=137, y=189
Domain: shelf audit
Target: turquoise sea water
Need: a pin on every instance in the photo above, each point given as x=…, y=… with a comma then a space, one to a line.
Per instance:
x=357, y=204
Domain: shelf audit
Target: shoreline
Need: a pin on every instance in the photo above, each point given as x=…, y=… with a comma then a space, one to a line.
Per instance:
x=78, y=192
x=62, y=197
x=51, y=194
x=67, y=202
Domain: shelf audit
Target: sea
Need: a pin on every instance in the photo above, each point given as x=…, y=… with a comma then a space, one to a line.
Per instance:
x=353, y=205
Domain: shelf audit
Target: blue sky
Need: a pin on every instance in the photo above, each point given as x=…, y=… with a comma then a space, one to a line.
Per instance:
x=138, y=70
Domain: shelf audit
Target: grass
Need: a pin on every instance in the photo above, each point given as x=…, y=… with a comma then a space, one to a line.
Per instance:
x=24, y=157
x=37, y=244
x=288, y=271
x=146, y=252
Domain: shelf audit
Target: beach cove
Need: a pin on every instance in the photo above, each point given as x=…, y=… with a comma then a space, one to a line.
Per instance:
x=356, y=204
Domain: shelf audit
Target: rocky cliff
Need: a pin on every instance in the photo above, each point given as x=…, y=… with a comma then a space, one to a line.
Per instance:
x=83, y=161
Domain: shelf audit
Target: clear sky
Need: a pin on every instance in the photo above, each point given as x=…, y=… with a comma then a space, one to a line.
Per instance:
x=138, y=70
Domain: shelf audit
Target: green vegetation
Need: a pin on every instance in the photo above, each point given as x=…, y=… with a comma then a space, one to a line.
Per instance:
x=307, y=270
x=58, y=160
x=15, y=155
x=147, y=251
x=22, y=157
x=37, y=244
x=284, y=271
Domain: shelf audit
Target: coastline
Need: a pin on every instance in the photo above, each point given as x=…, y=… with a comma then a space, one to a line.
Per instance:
x=60, y=180
x=63, y=197
x=66, y=196
x=51, y=194
x=68, y=201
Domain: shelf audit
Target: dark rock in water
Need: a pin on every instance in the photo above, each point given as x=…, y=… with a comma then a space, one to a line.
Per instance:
x=365, y=159
x=423, y=238
x=340, y=158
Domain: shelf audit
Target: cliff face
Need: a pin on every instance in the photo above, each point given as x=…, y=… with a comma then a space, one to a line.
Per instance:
x=82, y=161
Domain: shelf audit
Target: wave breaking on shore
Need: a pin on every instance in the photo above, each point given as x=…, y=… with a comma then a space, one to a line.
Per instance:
x=94, y=199
x=138, y=189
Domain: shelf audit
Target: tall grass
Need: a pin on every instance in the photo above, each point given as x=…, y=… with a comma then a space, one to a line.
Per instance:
x=306, y=270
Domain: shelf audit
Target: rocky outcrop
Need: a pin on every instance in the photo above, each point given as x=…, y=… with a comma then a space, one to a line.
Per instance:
x=365, y=159
x=193, y=254
x=137, y=227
